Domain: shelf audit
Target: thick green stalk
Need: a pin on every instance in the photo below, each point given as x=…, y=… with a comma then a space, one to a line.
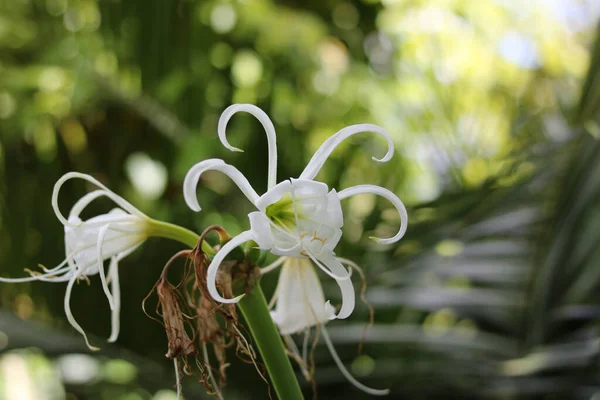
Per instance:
x=177, y=233
x=256, y=313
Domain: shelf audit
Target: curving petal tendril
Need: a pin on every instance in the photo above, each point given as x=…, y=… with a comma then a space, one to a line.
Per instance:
x=263, y=118
x=211, y=274
x=214, y=164
x=318, y=159
x=84, y=201
x=377, y=190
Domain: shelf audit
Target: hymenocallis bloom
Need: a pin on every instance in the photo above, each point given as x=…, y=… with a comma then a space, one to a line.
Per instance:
x=91, y=242
x=298, y=218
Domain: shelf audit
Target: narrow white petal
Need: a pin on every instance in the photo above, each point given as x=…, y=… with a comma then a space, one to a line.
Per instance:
x=113, y=272
x=272, y=266
x=346, y=373
x=269, y=130
x=193, y=176
x=211, y=274
x=318, y=159
x=121, y=202
x=348, y=298
x=326, y=270
x=70, y=318
x=83, y=202
x=378, y=190
x=100, y=262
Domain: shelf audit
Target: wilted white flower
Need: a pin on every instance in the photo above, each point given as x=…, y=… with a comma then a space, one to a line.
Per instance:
x=89, y=243
x=298, y=218
x=299, y=303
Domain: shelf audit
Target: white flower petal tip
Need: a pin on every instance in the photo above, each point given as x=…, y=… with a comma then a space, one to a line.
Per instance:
x=231, y=301
x=330, y=310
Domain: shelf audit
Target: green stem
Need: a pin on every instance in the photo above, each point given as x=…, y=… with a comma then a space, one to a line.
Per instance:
x=177, y=233
x=256, y=312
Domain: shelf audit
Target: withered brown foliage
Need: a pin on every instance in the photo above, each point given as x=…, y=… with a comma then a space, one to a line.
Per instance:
x=193, y=320
x=175, y=314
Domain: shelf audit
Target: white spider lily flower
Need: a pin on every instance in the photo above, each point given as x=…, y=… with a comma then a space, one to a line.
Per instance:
x=299, y=303
x=89, y=243
x=298, y=218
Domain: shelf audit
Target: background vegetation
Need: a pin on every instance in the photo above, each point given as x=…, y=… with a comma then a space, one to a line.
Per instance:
x=493, y=293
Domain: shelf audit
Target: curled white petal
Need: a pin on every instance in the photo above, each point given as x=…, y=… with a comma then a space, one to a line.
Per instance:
x=83, y=202
x=70, y=318
x=326, y=270
x=121, y=202
x=345, y=372
x=318, y=159
x=113, y=273
x=348, y=298
x=269, y=130
x=377, y=190
x=214, y=164
x=100, y=261
x=211, y=274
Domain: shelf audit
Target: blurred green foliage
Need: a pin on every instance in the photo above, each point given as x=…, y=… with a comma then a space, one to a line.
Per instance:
x=492, y=293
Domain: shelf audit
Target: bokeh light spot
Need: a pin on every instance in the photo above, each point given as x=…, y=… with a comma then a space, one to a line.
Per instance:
x=23, y=306
x=3, y=340
x=74, y=136
x=449, y=248
x=247, y=68
x=223, y=18
x=220, y=55
x=149, y=177
x=363, y=365
x=119, y=371
x=438, y=323
x=78, y=369
x=345, y=16
x=51, y=79
x=8, y=105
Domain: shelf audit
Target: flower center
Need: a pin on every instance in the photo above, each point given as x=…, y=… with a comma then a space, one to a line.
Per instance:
x=283, y=212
